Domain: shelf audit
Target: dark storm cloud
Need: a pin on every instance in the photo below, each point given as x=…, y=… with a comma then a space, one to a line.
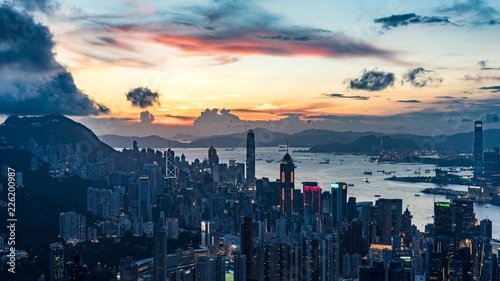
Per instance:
x=493, y=89
x=477, y=12
x=33, y=82
x=342, y=96
x=409, y=101
x=420, y=77
x=372, y=80
x=407, y=19
x=142, y=97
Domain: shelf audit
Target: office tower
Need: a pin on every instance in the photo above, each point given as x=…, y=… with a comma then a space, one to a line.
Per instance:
x=317, y=257
x=56, y=262
x=145, y=206
x=240, y=267
x=128, y=269
x=219, y=268
x=287, y=179
x=485, y=227
x=207, y=234
x=351, y=238
x=455, y=270
x=250, y=159
x=464, y=218
x=204, y=269
x=464, y=255
x=491, y=163
x=478, y=149
x=213, y=158
x=170, y=171
x=312, y=198
x=246, y=243
x=443, y=222
x=350, y=266
x=235, y=171
x=375, y=272
x=406, y=229
x=338, y=201
x=390, y=218
x=160, y=249
x=72, y=227
x=352, y=211
x=482, y=259
x=155, y=174
x=76, y=270
x=445, y=246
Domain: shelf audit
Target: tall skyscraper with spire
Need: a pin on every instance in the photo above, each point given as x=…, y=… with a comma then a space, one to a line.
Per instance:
x=250, y=158
x=287, y=180
x=478, y=149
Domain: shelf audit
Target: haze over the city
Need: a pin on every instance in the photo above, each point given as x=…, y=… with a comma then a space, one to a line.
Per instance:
x=216, y=67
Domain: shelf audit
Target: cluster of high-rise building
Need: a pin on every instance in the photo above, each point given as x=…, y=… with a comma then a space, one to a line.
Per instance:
x=261, y=229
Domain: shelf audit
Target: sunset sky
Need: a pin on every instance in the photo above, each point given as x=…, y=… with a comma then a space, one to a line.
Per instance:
x=212, y=67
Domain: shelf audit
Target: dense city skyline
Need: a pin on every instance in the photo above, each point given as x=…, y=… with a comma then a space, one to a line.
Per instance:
x=211, y=67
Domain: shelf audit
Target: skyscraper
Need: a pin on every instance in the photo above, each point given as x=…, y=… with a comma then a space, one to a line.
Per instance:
x=485, y=227
x=287, y=184
x=443, y=221
x=478, y=149
x=390, y=218
x=338, y=201
x=465, y=218
x=250, y=159
x=312, y=198
x=213, y=158
x=160, y=249
x=56, y=262
x=247, y=245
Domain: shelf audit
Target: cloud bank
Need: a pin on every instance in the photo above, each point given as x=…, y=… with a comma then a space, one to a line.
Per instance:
x=33, y=82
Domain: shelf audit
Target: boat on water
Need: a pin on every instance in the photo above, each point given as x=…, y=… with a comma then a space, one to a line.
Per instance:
x=368, y=172
x=377, y=195
x=417, y=195
x=230, y=149
x=324, y=162
x=367, y=181
x=270, y=160
x=350, y=184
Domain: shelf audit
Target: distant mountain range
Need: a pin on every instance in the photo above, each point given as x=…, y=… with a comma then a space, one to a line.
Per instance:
x=320, y=141
x=19, y=131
